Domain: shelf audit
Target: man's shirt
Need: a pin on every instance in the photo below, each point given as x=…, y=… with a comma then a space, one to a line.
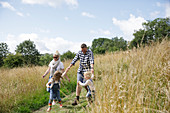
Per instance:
x=85, y=60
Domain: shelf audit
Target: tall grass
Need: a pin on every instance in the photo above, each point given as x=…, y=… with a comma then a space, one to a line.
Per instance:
x=126, y=82
x=133, y=81
x=24, y=90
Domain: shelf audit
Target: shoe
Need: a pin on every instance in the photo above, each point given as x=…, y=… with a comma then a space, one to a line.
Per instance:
x=53, y=103
x=49, y=109
x=61, y=105
x=75, y=102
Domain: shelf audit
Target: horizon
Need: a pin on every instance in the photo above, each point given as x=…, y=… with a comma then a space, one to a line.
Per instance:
x=64, y=25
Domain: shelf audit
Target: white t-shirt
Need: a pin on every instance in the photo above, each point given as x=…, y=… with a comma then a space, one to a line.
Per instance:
x=88, y=83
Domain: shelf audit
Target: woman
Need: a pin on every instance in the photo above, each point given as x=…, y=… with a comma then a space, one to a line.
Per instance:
x=55, y=65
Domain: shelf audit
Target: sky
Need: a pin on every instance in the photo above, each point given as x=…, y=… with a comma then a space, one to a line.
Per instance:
x=65, y=24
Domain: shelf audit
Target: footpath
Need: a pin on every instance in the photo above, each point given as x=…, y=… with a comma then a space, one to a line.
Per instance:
x=67, y=107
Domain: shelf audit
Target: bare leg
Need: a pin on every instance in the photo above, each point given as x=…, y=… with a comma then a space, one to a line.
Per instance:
x=78, y=90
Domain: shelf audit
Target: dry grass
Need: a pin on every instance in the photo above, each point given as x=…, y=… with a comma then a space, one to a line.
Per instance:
x=126, y=82
x=18, y=83
x=133, y=81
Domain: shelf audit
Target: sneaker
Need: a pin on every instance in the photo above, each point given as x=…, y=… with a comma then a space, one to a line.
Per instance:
x=49, y=109
x=53, y=103
x=75, y=102
x=61, y=105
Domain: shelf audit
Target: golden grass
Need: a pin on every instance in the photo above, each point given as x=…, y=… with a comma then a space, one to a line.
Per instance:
x=133, y=81
x=19, y=83
x=126, y=82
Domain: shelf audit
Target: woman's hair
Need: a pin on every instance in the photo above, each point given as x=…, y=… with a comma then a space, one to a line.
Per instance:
x=57, y=76
x=56, y=53
x=87, y=74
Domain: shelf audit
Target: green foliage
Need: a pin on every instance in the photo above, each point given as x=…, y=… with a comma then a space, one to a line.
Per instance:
x=101, y=45
x=13, y=61
x=67, y=55
x=3, y=52
x=31, y=103
x=29, y=52
x=154, y=30
x=45, y=59
x=99, y=50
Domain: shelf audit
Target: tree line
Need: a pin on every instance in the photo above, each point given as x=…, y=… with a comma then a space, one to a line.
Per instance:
x=26, y=53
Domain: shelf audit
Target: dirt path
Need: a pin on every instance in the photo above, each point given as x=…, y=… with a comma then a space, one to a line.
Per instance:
x=67, y=107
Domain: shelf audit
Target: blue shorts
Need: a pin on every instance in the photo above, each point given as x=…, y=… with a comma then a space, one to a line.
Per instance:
x=80, y=77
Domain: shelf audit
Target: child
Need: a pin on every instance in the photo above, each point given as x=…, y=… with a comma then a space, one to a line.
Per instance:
x=54, y=86
x=89, y=82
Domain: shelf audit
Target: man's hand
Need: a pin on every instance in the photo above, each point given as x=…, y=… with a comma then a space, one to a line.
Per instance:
x=79, y=83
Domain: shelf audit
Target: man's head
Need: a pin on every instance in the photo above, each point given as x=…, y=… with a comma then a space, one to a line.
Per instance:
x=83, y=48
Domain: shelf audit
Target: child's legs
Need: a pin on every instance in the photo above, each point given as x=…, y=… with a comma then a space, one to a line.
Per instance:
x=58, y=96
x=51, y=99
x=88, y=95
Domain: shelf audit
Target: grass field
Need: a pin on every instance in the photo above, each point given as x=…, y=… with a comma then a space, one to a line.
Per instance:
x=133, y=81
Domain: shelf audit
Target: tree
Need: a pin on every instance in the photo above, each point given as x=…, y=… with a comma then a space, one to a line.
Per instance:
x=12, y=61
x=101, y=45
x=155, y=30
x=29, y=52
x=67, y=55
x=4, y=51
x=45, y=59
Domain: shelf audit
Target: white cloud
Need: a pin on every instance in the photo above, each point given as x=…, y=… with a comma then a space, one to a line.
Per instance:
x=7, y=5
x=128, y=26
x=52, y=3
x=44, y=45
x=42, y=30
x=20, y=14
x=87, y=15
x=100, y=32
x=167, y=10
x=154, y=14
x=158, y=4
x=66, y=18
x=166, y=6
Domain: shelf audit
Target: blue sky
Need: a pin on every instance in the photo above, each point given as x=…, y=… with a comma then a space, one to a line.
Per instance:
x=65, y=24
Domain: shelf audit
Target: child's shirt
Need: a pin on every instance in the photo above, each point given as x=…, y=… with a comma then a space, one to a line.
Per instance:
x=89, y=83
x=52, y=83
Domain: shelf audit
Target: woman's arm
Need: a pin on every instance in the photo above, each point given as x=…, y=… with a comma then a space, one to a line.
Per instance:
x=47, y=71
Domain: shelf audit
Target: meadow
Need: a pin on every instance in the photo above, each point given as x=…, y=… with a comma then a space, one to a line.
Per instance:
x=129, y=81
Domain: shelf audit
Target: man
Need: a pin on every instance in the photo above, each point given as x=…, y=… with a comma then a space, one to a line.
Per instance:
x=86, y=62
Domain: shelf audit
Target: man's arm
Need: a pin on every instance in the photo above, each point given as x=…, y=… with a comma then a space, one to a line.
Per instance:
x=65, y=75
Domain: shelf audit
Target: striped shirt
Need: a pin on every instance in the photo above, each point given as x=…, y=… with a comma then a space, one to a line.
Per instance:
x=85, y=60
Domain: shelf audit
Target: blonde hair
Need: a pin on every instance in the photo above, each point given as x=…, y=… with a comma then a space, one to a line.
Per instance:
x=57, y=76
x=56, y=53
x=87, y=74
